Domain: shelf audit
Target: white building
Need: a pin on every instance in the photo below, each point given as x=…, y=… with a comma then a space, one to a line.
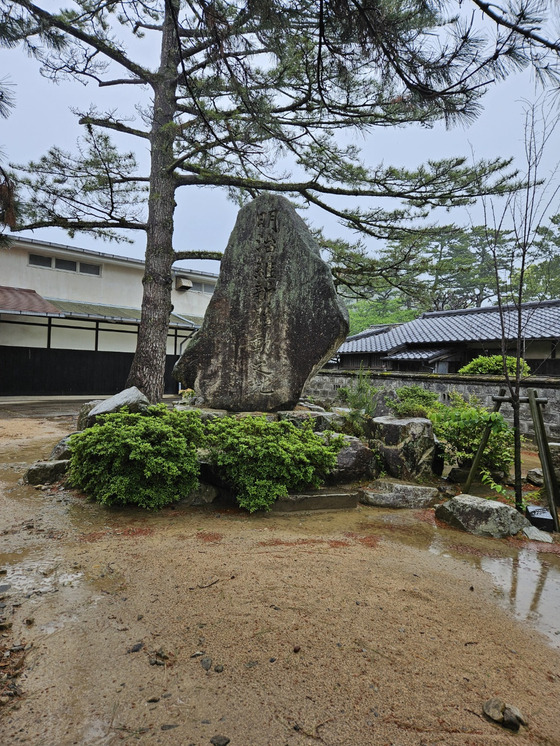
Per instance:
x=69, y=318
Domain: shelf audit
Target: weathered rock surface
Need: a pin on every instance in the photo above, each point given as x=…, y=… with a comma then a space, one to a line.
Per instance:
x=481, y=517
x=535, y=477
x=555, y=458
x=46, y=472
x=507, y=715
x=386, y=494
x=205, y=494
x=321, y=420
x=61, y=451
x=274, y=317
x=460, y=474
x=354, y=461
x=83, y=414
x=406, y=446
x=131, y=398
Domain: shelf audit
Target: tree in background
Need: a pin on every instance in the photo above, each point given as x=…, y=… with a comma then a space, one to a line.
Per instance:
x=542, y=275
x=248, y=95
x=449, y=271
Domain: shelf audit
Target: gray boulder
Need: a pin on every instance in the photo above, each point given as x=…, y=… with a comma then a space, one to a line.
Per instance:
x=205, y=494
x=274, y=318
x=555, y=458
x=386, y=494
x=46, y=472
x=355, y=460
x=321, y=420
x=83, y=414
x=406, y=446
x=61, y=451
x=481, y=517
x=507, y=715
x=535, y=477
x=132, y=398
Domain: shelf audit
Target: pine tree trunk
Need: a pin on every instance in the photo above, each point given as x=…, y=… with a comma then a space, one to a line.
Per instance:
x=148, y=367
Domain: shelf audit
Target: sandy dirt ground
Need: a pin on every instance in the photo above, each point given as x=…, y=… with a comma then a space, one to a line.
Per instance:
x=344, y=629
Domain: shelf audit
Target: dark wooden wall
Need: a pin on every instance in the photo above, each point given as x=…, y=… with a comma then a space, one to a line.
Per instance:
x=32, y=371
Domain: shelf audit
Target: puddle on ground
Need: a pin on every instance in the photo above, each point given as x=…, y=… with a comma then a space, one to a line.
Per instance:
x=33, y=575
x=526, y=575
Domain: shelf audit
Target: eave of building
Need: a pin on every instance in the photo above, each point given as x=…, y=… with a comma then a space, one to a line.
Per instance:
x=95, y=312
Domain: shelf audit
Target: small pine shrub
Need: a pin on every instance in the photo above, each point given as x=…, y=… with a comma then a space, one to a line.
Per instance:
x=148, y=459
x=493, y=365
x=361, y=395
x=262, y=460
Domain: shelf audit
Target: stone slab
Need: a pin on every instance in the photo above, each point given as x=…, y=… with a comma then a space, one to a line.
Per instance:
x=317, y=500
x=535, y=534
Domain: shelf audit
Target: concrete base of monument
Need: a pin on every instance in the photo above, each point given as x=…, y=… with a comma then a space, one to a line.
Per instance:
x=321, y=499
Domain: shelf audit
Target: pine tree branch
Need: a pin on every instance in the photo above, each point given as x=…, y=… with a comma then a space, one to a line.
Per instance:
x=113, y=125
x=95, y=42
x=502, y=20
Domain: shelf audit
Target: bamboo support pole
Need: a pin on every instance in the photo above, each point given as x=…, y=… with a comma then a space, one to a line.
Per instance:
x=485, y=435
x=550, y=482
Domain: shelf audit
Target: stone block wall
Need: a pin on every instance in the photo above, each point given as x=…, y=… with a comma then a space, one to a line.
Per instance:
x=324, y=387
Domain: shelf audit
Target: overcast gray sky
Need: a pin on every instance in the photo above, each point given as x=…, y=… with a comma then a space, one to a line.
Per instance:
x=205, y=217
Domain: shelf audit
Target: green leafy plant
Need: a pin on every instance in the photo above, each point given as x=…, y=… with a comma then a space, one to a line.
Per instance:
x=494, y=365
x=262, y=460
x=501, y=490
x=146, y=459
x=460, y=427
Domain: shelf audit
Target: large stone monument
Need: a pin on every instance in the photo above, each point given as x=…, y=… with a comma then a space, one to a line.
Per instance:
x=274, y=318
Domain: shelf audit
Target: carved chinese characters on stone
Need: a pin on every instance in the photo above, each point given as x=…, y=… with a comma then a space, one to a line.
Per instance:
x=261, y=345
x=273, y=320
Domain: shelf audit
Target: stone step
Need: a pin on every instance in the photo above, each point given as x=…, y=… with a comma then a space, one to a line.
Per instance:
x=322, y=499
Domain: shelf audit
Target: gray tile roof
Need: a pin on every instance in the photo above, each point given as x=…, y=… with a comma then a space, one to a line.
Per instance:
x=425, y=353
x=376, y=329
x=538, y=321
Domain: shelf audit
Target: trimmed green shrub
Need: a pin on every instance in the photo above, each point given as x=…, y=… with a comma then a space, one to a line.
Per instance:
x=146, y=459
x=493, y=365
x=262, y=460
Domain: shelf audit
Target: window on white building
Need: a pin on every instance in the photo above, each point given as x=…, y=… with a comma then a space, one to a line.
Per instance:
x=38, y=260
x=68, y=265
